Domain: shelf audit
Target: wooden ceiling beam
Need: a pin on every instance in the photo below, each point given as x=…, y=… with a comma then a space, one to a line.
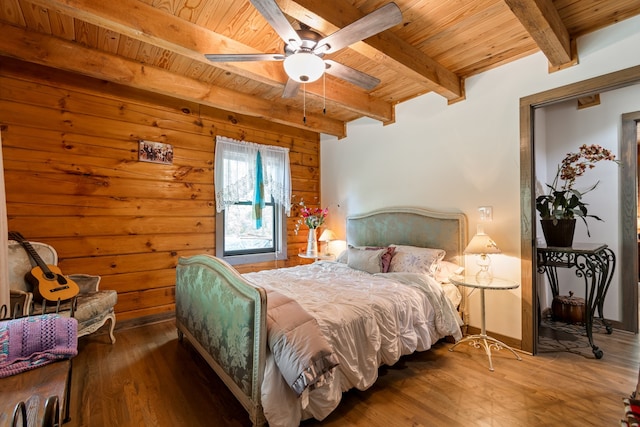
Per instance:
x=385, y=48
x=542, y=21
x=57, y=53
x=143, y=22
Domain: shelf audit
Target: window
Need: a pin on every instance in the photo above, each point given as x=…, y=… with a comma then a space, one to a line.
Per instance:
x=253, y=198
x=241, y=236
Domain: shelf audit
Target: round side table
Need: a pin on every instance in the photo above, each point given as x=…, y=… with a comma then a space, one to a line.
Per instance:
x=482, y=340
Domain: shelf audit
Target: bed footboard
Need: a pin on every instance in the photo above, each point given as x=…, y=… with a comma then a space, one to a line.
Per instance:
x=224, y=317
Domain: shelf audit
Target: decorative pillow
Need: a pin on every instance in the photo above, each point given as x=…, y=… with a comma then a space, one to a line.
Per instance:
x=387, y=255
x=366, y=260
x=447, y=269
x=413, y=259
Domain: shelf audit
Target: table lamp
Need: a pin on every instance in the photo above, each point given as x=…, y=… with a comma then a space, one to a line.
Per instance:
x=482, y=245
x=327, y=236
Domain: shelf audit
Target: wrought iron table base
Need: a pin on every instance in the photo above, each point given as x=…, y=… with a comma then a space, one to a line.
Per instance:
x=486, y=342
x=595, y=264
x=482, y=339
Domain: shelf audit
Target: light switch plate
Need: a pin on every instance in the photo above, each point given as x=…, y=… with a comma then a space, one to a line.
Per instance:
x=486, y=213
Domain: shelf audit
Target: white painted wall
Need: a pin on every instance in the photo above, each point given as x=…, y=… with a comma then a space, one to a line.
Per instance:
x=462, y=156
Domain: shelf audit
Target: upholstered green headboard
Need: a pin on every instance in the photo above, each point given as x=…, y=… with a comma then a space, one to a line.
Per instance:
x=411, y=226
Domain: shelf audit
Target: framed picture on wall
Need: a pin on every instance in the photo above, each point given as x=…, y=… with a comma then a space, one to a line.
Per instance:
x=155, y=152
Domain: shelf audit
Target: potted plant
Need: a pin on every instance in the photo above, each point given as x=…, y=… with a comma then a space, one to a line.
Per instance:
x=559, y=208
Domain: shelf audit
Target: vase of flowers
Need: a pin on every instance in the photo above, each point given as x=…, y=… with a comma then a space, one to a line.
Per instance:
x=312, y=218
x=559, y=208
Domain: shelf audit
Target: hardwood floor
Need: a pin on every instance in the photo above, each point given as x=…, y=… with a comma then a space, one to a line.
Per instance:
x=148, y=378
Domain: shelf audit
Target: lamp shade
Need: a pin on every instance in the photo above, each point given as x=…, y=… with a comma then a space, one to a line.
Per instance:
x=481, y=243
x=327, y=236
x=304, y=67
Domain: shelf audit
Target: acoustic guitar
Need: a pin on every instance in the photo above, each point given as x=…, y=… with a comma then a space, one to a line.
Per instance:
x=47, y=281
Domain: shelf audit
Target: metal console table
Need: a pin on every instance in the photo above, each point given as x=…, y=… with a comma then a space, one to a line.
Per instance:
x=595, y=263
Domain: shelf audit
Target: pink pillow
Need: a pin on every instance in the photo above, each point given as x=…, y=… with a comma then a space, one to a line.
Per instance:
x=386, y=256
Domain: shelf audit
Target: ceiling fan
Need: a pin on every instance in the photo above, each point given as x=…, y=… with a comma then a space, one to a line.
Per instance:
x=304, y=49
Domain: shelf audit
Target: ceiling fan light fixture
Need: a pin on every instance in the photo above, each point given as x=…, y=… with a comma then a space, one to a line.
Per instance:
x=304, y=67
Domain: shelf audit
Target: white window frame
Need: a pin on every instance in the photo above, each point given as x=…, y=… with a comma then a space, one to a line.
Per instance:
x=231, y=189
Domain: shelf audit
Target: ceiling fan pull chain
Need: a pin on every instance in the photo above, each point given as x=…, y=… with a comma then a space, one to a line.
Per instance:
x=304, y=103
x=324, y=94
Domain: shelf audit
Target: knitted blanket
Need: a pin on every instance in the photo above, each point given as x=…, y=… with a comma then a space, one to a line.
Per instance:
x=30, y=342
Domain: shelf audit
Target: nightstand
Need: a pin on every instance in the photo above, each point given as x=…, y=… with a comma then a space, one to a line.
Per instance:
x=482, y=340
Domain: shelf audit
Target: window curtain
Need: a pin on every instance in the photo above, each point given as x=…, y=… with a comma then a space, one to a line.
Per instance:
x=4, y=248
x=258, y=192
x=237, y=167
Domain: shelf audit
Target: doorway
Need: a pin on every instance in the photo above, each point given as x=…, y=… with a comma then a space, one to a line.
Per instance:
x=628, y=258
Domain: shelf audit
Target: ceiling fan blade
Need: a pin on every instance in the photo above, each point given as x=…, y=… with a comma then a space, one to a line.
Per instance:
x=379, y=20
x=272, y=13
x=351, y=75
x=243, y=57
x=290, y=89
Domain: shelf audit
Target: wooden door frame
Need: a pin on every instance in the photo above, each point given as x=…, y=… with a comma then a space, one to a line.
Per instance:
x=628, y=220
x=528, y=105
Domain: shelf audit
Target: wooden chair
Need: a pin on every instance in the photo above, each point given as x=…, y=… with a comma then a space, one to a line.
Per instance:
x=94, y=307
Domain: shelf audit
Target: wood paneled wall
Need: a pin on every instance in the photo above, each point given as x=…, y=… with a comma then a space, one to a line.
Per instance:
x=73, y=179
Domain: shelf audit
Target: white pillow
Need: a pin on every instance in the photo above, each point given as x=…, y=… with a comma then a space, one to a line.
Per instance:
x=447, y=269
x=365, y=260
x=413, y=259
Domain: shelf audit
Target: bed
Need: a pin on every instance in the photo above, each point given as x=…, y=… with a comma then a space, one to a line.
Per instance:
x=224, y=315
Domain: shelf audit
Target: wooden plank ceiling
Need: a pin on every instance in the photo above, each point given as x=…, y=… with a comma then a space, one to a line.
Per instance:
x=159, y=46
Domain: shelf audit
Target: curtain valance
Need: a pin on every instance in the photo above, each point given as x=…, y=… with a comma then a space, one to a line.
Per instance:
x=236, y=167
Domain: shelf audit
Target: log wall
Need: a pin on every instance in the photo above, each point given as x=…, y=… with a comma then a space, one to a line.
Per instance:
x=73, y=179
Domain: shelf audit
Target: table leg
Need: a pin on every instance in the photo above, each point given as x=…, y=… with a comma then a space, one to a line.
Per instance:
x=590, y=310
x=608, y=266
x=595, y=269
x=545, y=265
x=482, y=340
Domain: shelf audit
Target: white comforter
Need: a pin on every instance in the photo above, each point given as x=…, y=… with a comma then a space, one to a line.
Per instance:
x=368, y=319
